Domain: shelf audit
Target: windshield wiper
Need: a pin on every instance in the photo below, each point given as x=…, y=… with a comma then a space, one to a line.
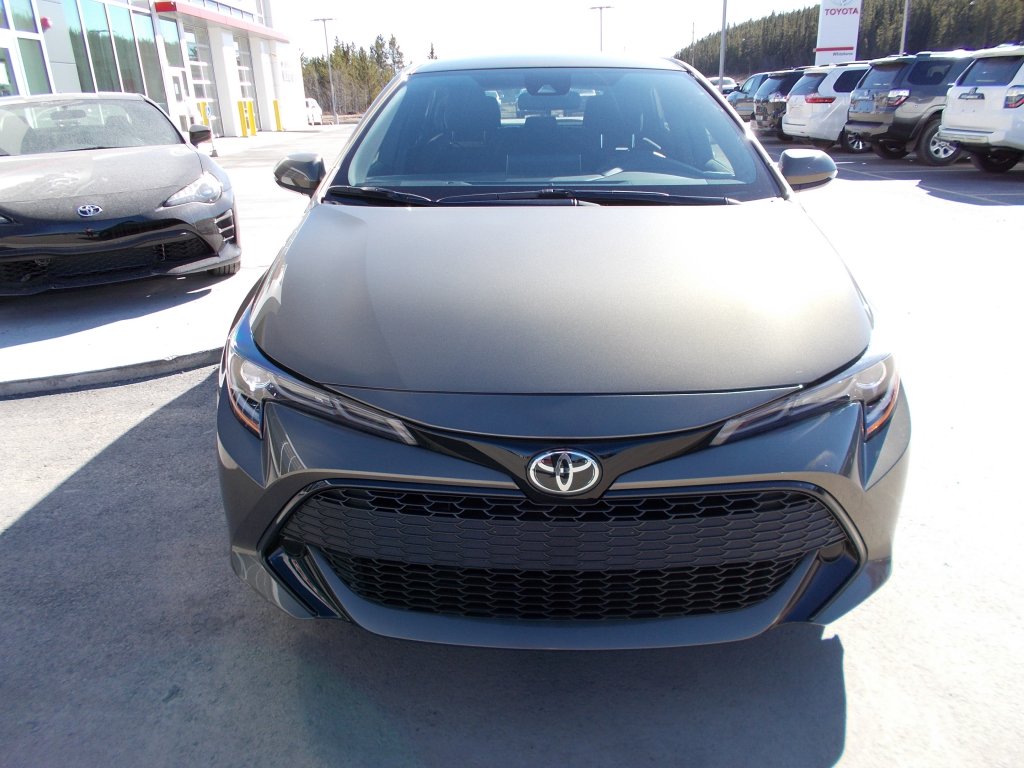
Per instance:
x=377, y=195
x=592, y=196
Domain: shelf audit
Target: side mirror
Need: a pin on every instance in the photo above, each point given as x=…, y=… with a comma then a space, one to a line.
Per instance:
x=807, y=168
x=300, y=172
x=197, y=134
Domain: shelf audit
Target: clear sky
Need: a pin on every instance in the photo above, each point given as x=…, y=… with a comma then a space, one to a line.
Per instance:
x=474, y=27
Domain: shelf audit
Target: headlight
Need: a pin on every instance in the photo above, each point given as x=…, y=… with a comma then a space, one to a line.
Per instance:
x=205, y=189
x=251, y=385
x=873, y=382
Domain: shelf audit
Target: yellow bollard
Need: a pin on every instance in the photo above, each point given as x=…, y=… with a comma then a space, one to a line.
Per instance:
x=202, y=113
x=243, y=118
x=251, y=109
x=277, y=115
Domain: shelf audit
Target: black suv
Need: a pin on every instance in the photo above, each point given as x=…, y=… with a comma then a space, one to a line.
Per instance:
x=770, y=101
x=897, y=107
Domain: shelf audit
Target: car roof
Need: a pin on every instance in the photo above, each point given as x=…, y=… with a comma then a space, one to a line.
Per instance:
x=908, y=57
x=1000, y=50
x=558, y=60
x=51, y=97
x=817, y=70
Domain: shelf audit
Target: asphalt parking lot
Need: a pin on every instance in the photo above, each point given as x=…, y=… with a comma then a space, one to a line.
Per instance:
x=127, y=640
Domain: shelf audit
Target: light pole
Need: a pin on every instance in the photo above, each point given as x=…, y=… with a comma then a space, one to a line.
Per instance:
x=330, y=72
x=600, y=12
x=721, y=50
x=906, y=23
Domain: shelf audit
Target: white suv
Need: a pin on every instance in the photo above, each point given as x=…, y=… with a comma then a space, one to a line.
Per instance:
x=985, y=109
x=818, y=103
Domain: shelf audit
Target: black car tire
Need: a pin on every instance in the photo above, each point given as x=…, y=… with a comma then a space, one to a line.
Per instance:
x=889, y=150
x=853, y=144
x=932, y=150
x=227, y=269
x=996, y=162
x=823, y=144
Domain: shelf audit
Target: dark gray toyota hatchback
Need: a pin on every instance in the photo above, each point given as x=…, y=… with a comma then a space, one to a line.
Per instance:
x=507, y=384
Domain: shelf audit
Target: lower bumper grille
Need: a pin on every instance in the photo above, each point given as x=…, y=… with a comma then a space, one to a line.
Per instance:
x=502, y=556
x=20, y=275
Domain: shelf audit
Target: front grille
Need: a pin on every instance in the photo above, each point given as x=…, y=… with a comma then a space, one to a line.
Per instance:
x=624, y=556
x=19, y=275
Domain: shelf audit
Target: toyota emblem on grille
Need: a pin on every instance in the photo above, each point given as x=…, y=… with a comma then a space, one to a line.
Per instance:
x=85, y=211
x=564, y=472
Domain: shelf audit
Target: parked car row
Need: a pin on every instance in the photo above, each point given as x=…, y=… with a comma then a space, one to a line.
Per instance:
x=936, y=104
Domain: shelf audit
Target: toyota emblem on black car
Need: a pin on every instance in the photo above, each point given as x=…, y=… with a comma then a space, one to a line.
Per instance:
x=564, y=472
x=85, y=211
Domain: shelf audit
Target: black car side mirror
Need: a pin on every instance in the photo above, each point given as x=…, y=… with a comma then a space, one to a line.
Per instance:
x=300, y=172
x=197, y=134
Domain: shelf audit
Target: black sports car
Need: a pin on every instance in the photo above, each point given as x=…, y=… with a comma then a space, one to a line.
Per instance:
x=98, y=188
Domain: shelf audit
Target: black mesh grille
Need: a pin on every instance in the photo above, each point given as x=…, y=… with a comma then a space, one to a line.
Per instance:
x=622, y=556
x=45, y=269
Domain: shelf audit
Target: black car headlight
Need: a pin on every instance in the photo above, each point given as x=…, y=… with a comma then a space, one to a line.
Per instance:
x=872, y=381
x=252, y=381
x=206, y=189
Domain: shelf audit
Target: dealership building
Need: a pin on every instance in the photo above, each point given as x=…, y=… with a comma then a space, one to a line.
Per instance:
x=203, y=61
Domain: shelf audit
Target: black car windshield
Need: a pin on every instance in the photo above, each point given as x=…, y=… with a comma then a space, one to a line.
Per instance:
x=70, y=125
x=535, y=128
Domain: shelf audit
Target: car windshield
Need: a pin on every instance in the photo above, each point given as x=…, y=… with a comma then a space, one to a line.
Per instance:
x=509, y=130
x=70, y=125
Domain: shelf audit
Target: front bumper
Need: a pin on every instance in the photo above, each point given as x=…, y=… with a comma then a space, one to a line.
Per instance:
x=424, y=544
x=37, y=256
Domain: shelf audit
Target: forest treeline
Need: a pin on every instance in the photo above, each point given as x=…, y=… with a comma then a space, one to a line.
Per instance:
x=359, y=74
x=788, y=39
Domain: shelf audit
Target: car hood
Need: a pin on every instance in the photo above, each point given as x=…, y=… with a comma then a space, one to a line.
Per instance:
x=121, y=181
x=560, y=300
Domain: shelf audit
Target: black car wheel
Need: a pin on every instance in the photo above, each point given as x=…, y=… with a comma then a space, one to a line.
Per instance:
x=853, y=144
x=889, y=150
x=935, y=151
x=996, y=162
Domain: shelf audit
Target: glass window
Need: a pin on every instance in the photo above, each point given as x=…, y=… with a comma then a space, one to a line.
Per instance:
x=807, y=84
x=243, y=57
x=993, y=70
x=621, y=129
x=928, y=73
x=847, y=81
x=35, y=67
x=197, y=42
x=146, y=37
x=8, y=85
x=23, y=15
x=3, y=15
x=881, y=77
x=127, y=55
x=100, y=46
x=74, y=23
x=172, y=42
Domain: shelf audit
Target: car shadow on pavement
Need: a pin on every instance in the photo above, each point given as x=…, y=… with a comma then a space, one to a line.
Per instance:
x=127, y=640
x=27, y=319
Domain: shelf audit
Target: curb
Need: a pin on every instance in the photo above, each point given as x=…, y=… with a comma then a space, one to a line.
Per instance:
x=48, y=385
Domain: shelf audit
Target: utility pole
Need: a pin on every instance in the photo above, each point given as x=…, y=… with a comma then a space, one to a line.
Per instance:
x=330, y=72
x=600, y=12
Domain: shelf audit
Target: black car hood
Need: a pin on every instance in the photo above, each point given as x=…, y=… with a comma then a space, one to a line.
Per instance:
x=121, y=181
x=560, y=299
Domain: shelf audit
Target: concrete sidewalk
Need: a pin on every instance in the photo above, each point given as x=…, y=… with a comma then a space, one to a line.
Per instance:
x=108, y=334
